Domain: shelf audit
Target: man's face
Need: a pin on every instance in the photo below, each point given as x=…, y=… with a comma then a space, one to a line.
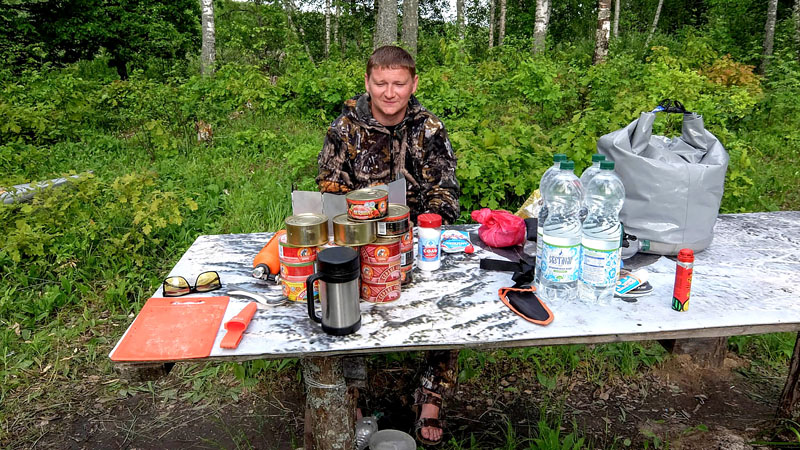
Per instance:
x=390, y=90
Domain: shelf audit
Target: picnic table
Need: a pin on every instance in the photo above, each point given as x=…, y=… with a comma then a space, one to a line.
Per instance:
x=746, y=282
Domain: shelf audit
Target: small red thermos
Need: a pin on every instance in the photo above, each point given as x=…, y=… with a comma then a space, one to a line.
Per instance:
x=683, y=280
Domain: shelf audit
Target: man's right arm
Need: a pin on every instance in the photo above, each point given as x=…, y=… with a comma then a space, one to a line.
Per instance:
x=335, y=174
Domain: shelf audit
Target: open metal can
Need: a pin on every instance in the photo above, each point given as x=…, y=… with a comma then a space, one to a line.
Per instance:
x=307, y=230
x=351, y=233
x=367, y=204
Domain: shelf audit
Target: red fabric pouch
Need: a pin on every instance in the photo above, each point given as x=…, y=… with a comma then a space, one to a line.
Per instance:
x=499, y=228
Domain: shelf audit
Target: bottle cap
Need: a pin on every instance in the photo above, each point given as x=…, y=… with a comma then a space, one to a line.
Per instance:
x=606, y=165
x=429, y=220
x=558, y=157
x=686, y=255
x=598, y=157
x=567, y=165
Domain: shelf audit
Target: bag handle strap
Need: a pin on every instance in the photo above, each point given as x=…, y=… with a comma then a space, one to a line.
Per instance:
x=671, y=106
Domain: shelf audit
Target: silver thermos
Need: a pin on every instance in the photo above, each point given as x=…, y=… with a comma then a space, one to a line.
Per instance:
x=338, y=271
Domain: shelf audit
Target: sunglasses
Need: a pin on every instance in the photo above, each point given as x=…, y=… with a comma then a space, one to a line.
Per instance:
x=177, y=286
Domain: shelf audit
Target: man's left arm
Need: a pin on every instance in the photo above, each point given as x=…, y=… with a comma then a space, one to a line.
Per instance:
x=439, y=174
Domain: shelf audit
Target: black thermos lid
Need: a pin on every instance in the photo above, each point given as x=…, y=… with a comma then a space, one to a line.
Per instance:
x=338, y=264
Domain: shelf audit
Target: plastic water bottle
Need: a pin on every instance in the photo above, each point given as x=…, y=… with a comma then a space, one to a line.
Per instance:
x=548, y=174
x=561, y=246
x=602, y=232
x=587, y=176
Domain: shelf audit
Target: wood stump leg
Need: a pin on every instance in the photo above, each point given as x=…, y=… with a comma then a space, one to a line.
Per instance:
x=791, y=390
x=138, y=372
x=330, y=406
x=705, y=352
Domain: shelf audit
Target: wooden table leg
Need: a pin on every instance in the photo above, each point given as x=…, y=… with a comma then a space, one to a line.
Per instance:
x=791, y=390
x=330, y=406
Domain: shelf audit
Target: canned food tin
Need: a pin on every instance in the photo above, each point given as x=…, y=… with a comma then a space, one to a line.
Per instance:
x=407, y=259
x=396, y=221
x=307, y=230
x=407, y=239
x=291, y=254
x=366, y=204
x=382, y=251
x=289, y=270
x=351, y=233
x=405, y=274
x=380, y=293
x=380, y=273
x=295, y=290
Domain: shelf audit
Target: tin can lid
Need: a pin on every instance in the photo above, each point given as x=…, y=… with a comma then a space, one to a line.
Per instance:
x=306, y=219
x=367, y=194
x=397, y=211
x=429, y=220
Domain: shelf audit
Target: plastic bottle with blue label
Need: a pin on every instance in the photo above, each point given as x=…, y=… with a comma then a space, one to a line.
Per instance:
x=600, y=244
x=561, y=239
x=548, y=175
x=429, y=241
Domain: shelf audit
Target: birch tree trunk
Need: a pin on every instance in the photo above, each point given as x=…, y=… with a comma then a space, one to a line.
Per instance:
x=208, y=48
x=410, y=25
x=327, y=28
x=616, y=19
x=540, y=25
x=289, y=9
x=491, y=22
x=603, y=31
x=796, y=19
x=460, y=18
x=655, y=23
x=385, y=23
x=501, y=33
x=769, y=34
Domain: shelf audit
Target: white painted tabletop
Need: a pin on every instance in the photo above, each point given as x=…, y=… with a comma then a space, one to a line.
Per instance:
x=746, y=282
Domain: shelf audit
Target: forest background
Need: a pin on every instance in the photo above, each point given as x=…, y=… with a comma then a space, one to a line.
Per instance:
x=178, y=126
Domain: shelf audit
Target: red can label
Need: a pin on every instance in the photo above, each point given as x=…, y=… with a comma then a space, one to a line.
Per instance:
x=294, y=290
x=407, y=240
x=296, y=270
x=294, y=255
x=380, y=293
x=405, y=274
x=380, y=273
x=682, y=290
x=366, y=209
x=380, y=252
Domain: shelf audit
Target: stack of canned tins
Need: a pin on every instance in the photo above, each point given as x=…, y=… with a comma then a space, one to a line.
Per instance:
x=382, y=231
x=297, y=252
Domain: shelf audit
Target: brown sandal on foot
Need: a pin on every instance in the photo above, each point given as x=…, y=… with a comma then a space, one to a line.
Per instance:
x=424, y=397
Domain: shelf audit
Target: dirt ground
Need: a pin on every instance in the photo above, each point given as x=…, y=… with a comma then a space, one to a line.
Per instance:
x=676, y=406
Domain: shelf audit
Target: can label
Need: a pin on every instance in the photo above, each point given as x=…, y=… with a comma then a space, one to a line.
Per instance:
x=407, y=258
x=380, y=293
x=296, y=270
x=405, y=274
x=407, y=240
x=380, y=253
x=295, y=290
x=294, y=255
x=599, y=263
x=366, y=209
x=682, y=290
x=380, y=273
x=560, y=263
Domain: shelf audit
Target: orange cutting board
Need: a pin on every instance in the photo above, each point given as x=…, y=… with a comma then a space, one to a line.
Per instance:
x=171, y=329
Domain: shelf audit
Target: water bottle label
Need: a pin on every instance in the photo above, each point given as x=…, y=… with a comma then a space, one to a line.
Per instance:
x=599, y=268
x=428, y=249
x=560, y=264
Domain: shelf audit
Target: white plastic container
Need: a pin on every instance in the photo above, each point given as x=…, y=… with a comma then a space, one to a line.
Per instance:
x=602, y=235
x=429, y=241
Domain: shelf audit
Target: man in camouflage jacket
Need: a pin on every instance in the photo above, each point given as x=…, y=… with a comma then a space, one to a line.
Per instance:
x=360, y=152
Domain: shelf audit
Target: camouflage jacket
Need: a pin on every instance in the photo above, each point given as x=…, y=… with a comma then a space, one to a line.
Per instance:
x=360, y=152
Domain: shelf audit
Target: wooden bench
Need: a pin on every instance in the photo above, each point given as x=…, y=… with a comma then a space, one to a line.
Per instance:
x=745, y=283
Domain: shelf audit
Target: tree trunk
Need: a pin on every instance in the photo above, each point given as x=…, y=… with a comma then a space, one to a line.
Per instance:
x=655, y=23
x=540, y=26
x=336, y=14
x=769, y=34
x=410, y=25
x=385, y=23
x=501, y=32
x=331, y=405
x=327, y=28
x=603, y=31
x=289, y=8
x=491, y=22
x=616, y=19
x=207, y=52
x=460, y=18
x=796, y=18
